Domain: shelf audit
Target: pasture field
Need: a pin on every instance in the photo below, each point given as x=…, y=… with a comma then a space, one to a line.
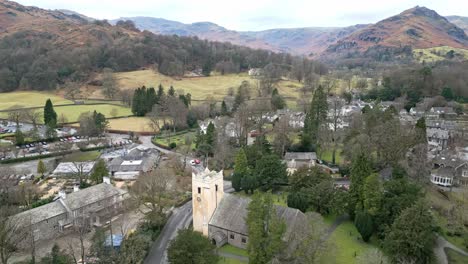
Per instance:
x=73, y=112
x=29, y=99
x=136, y=124
x=200, y=88
x=438, y=54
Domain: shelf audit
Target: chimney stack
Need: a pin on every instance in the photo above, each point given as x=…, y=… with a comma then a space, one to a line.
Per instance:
x=106, y=180
x=62, y=194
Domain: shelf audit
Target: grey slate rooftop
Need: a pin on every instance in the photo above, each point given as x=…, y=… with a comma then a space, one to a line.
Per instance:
x=300, y=156
x=231, y=214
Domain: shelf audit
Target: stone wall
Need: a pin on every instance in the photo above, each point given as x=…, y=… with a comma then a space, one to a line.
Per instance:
x=233, y=238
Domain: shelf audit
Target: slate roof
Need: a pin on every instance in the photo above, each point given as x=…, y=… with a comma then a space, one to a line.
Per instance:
x=231, y=215
x=448, y=172
x=437, y=133
x=146, y=156
x=74, y=167
x=40, y=213
x=300, y=156
x=73, y=201
x=91, y=195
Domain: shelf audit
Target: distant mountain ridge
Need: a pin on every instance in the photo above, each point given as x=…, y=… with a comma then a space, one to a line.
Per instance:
x=310, y=40
x=418, y=27
x=460, y=21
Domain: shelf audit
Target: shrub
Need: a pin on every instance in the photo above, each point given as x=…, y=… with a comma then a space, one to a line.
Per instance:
x=173, y=145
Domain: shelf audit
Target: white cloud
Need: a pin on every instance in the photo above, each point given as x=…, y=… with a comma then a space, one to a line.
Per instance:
x=255, y=14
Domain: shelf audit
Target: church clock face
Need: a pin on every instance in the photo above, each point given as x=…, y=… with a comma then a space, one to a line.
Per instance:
x=199, y=199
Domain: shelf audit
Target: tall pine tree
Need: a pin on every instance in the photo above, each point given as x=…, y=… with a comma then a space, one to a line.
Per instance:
x=50, y=116
x=265, y=229
x=360, y=170
x=241, y=169
x=315, y=117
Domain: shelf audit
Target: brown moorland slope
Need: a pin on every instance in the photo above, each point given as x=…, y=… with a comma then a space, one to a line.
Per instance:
x=64, y=29
x=418, y=27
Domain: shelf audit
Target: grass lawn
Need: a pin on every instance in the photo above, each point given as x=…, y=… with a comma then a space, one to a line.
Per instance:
x=326, y=155
x=199, y=87
x=82, y=156
x=178, y=139
x=232, y=250
x=455, y=257
x=346, y=244
x=224, y=260
x=29, y=99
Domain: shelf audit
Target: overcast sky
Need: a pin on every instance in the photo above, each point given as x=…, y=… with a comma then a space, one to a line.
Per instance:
x=254, y=14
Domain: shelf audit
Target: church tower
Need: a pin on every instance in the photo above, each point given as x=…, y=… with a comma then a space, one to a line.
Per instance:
x=207, y=192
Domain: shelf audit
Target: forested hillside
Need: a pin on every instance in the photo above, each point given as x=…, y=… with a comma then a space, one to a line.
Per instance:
x=33, y=57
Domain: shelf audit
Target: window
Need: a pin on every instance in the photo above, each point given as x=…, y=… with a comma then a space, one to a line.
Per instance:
x=216, y=187
x=244, y=240
x=465, y=173
x=231, y=236
x=199, y=190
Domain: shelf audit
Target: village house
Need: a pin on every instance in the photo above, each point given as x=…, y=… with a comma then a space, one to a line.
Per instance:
x=449, y=171
x=222, y=217
x=441, y=112
x=437, y=138
x=92, y=206
x=296, y=160
x=132, y=162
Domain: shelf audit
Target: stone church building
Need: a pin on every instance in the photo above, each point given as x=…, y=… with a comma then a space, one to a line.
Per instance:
x=222, y=216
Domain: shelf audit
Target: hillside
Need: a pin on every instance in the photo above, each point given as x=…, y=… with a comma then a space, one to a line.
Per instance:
x=461, y=22
x=42, y=49
x=417, y=27
x=300, y=41
x=63, y=28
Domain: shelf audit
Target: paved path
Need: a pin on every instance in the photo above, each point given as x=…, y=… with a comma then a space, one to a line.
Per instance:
x=338, y=221
x=180, y=219
x=441, y=244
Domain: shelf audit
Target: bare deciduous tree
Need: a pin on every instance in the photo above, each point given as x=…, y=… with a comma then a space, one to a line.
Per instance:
x=11, y=234
x=153, y=192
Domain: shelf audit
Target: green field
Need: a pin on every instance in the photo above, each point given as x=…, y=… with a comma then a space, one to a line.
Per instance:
x=347, y=244
x=136, y=124
x=73, y=112
x=200, y=88
x=29, y=99
x=438, y=54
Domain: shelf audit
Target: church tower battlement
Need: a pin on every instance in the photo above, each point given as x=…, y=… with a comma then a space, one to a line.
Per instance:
x=207, y=192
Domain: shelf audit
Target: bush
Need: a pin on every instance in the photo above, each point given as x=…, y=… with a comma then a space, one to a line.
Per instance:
x=173, y=145
x=42, y=202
